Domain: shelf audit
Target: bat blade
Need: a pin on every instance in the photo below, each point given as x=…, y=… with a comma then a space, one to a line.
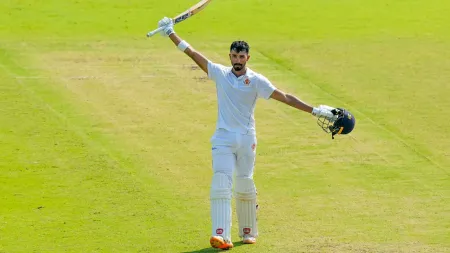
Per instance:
x=185, y=15
x=191, y=11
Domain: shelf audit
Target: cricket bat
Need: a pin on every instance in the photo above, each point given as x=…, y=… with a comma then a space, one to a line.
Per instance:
x=183, y=16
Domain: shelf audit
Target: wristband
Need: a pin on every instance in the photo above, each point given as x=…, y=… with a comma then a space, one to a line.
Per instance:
x=183, y=45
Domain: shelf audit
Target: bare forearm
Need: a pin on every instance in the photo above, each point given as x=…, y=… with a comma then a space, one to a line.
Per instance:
x=175, y=39
x=197, y=57
x=297, y=103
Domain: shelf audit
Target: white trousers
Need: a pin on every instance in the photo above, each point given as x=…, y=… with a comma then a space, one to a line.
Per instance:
x=233, y=153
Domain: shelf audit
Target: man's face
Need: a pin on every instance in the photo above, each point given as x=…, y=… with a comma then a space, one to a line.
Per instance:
x=238, y=59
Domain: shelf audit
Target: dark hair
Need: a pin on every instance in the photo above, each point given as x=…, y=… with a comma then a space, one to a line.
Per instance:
x=240, y=46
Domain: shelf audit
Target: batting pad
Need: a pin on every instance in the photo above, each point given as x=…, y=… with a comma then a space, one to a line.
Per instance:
x=245, y=193
x=221, y=205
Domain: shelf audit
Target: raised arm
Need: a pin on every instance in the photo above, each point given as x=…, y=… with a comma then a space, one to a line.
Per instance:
x=198, y=58
x=168, y=31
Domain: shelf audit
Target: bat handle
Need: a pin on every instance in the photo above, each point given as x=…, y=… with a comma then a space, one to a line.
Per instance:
x=157, y=30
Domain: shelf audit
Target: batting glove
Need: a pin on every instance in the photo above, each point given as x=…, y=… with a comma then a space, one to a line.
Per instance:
x=167, y=25
x=325, y=111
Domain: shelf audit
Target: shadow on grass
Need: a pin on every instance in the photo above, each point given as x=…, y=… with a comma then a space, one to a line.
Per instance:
x=235, y=244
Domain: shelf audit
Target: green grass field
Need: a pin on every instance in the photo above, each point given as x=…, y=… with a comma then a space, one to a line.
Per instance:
x=104, y=134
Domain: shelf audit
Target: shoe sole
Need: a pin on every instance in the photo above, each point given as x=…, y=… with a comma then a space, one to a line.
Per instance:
x=249, y=241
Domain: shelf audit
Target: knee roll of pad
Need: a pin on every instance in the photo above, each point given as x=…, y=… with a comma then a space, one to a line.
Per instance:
x=245, y=189
x=221, y=186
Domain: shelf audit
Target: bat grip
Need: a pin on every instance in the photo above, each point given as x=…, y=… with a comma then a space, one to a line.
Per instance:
x=157, y=30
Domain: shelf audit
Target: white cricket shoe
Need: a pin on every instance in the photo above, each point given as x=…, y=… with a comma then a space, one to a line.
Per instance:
x=248, y=239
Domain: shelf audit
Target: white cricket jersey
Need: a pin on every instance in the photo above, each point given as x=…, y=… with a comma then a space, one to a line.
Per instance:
x=236, y=97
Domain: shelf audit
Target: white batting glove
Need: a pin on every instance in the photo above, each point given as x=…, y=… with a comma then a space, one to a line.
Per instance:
x=324, y=111
x=168, y=29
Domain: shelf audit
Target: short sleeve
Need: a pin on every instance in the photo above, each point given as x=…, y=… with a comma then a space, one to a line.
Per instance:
x=214, y=70
x=264, y=87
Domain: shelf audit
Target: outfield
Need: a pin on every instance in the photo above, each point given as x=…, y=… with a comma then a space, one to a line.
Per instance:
x=104, y=133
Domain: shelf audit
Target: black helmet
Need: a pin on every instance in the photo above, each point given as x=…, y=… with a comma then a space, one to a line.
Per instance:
x=342, y=123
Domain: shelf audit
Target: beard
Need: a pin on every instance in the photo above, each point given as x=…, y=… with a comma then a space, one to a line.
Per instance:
x=238, y=67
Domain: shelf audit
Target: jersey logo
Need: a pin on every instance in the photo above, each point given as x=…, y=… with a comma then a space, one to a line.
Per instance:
x=247, y=81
